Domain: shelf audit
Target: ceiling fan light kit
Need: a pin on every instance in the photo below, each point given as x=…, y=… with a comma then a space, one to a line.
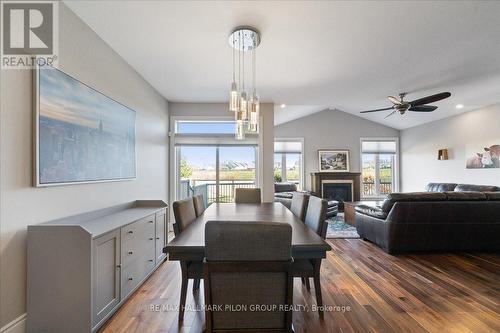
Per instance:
x=246, y=108
x=419, y=105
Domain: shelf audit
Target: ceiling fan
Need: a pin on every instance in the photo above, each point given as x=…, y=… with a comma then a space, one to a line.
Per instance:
x=418, y=105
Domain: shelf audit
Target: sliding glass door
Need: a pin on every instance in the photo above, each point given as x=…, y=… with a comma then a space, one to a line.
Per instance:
x=215, y=171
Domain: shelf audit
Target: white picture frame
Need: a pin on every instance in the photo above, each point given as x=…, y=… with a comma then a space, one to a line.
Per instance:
x=334, y=160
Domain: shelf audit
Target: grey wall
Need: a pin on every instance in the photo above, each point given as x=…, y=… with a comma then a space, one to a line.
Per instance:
x=266, y=138
x=85, y=56
x=419, y=146
x=331, y=129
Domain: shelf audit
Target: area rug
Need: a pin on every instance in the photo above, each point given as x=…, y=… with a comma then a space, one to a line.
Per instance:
x=337, y=228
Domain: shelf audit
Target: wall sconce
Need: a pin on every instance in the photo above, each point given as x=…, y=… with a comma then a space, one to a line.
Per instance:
x=442, y=154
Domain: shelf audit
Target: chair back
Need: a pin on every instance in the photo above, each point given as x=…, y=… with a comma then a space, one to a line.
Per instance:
x=184, y=214
x=199, y=204
x=299, y=205
x=316, y=215
x=248, y=264
x=247, y=195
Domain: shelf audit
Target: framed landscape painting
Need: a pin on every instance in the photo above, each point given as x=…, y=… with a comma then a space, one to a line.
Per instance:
x=81, y=135
x=333, y=160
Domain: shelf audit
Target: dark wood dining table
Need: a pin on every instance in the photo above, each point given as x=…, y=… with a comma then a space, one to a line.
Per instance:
x=190, y=244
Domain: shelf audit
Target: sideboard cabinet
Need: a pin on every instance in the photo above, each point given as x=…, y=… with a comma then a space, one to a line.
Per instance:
x=82, y=268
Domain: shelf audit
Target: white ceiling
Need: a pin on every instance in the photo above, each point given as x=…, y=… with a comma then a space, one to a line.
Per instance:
x=342, y=55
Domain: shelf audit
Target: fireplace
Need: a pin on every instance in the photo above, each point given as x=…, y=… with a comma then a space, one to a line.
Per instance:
x=338, y=190
x=340, y=186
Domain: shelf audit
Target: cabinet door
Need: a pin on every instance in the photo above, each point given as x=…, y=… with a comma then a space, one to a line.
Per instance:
x=161, y=235
x=106, y=274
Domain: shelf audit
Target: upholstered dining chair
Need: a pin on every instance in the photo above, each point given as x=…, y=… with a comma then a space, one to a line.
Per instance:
x=247, y=195
x=199, y=204
x=307, y=268
x=185, y=214
x=248, y=264
x=299, y=204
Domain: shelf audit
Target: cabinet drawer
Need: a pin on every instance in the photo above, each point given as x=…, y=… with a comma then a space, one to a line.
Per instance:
x=137, y=248
x=142, y=229
x=134, y=273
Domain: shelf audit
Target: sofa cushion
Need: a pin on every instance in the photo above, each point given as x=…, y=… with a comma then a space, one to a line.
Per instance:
x=284, y=187
x=371, y=211
x=440, y=187
x=494, y=196
x=412, y=196
x=477, y=188
x=465, y=196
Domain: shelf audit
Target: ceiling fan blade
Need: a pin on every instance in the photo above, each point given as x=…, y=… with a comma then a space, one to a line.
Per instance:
x=423, y=108
x=390, y=114
x=376, y=110
x=394, y=100
x=430, y=99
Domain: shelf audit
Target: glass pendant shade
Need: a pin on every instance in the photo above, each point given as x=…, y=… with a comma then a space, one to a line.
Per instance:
x=254, y=110
x=244, y=106
x=234, y=98
x=240, y=126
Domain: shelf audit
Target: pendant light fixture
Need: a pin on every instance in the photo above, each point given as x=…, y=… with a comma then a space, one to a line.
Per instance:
x=246, y=108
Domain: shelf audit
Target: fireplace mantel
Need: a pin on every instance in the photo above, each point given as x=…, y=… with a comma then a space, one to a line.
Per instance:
x=317, y=179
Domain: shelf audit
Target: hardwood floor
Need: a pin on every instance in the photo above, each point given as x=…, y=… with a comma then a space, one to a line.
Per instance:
x=373, y=292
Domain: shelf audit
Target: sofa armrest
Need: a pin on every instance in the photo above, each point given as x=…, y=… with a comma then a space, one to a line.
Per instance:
x=375, y=212
x=372, y=228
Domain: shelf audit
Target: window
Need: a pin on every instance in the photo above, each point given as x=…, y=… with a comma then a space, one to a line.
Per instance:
x=204, y=127
x=215, y=171
x=379, y=169
x=208, y=161
x=288, y=161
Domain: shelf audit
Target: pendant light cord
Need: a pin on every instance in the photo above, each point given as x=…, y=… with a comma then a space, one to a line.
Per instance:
x=254, y=61
x=233, y=62
x=243, y=71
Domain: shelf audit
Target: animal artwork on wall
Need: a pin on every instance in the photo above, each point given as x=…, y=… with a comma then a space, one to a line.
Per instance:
x=483, y=156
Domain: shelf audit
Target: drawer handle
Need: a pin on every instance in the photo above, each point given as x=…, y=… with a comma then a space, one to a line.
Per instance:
x=151, y=238
x=157, y=237
x=130, y=252
x=131, y=232
x=118, y=266
x=130, y=279
x=150, y=221
x=151, y=260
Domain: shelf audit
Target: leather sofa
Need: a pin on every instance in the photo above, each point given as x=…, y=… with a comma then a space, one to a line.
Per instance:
x=448, y=217
x=283, y=192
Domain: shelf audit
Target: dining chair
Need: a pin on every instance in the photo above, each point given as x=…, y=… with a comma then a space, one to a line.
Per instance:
x=185, y=214
x=299, y=205
x=248, y=264
x=199, y=204
x=247, y=195
x=307, y=268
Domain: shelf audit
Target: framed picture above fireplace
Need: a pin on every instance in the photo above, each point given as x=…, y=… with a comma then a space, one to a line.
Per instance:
x=333, y=160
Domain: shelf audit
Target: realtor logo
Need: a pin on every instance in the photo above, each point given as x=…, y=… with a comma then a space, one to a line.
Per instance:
x=28, y=33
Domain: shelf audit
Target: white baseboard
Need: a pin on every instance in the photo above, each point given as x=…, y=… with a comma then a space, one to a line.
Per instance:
x=18, y=325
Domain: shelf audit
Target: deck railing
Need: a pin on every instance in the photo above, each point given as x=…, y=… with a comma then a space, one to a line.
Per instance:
x=370, y=190
x=208, y=188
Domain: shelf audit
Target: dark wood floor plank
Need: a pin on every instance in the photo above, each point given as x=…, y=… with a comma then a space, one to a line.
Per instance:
x=405, y=293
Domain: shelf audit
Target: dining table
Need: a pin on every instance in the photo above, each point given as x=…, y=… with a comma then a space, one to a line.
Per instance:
x=190, y=244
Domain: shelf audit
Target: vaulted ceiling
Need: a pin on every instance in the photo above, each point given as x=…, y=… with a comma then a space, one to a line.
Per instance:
x=314, y=54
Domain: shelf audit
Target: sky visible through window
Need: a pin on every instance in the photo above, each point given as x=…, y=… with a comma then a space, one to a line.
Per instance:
x=205, y=127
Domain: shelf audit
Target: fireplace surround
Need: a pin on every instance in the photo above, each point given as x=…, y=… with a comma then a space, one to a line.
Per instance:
x=341, y=187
